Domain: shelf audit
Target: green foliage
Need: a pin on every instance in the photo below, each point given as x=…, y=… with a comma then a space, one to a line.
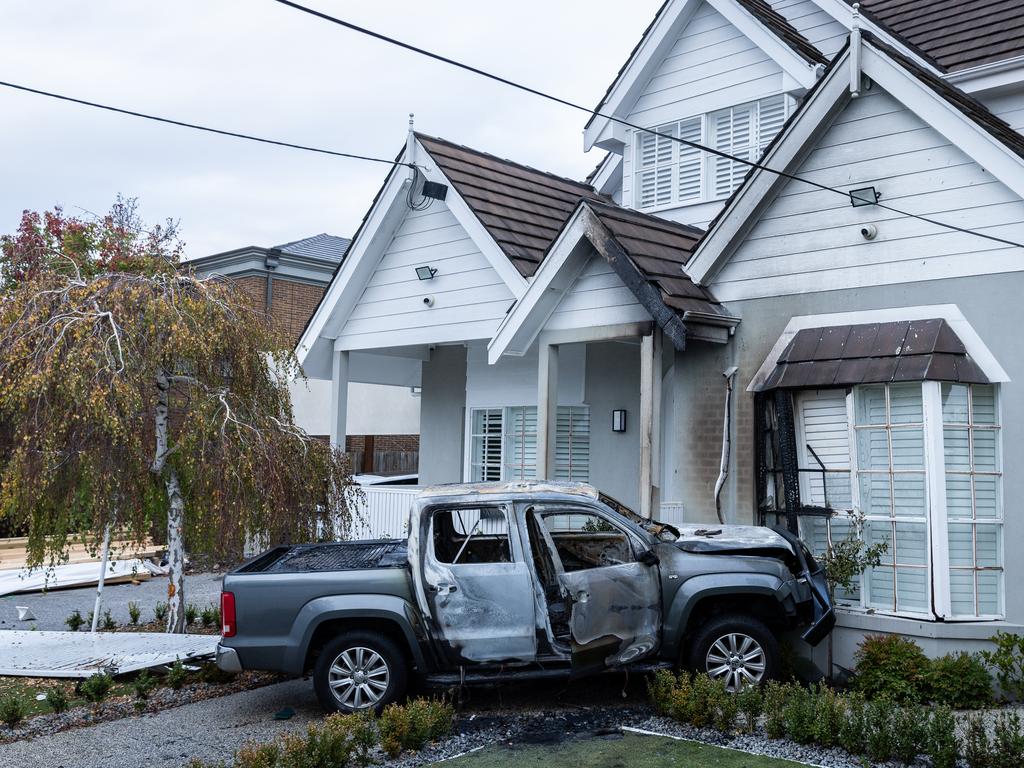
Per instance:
x=724, y=709
x=413, y=725
x=909, y=732
x=144, y=684
x=891, y=666
x=214, y=675
x=853, y=733
x=12, y=710
x=75, y=621
x=845, y=560
x=57, y=699
x=210, y=616
x=96, y=688
x=703, y=693
x=177, y=675
x=1007, y=741
x=879, y=741
x=660, y=686
x=977, y=745
x=160, y=611
x=107, y=622
x=829, y=714
x=134, y=613
x=942, y=746
x=749, y=701
x=960, y=680
x=191, y=614
x=775, y=695
x=1007, y=659
x=798, y=714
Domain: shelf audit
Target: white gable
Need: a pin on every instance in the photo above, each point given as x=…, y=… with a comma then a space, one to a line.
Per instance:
x=818, y=26
x=467, y=297
x=597, y=297
x=809, y=240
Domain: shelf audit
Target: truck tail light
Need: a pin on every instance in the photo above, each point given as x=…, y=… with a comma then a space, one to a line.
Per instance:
x=227, y=614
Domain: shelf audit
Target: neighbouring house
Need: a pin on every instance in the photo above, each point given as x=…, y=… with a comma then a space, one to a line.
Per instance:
x=590, y=330
x=287, y=281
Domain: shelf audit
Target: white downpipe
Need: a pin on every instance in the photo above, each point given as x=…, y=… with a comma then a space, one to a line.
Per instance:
x=723, y=471
x=103, y=576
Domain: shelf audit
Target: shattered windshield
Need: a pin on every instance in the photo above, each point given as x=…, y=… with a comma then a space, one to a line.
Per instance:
x=661, y=531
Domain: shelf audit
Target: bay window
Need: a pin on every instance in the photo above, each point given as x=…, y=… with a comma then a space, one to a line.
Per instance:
x=503, y=443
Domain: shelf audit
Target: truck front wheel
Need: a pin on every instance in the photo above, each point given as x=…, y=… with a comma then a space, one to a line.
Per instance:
x=358, y=671
x=736, y=649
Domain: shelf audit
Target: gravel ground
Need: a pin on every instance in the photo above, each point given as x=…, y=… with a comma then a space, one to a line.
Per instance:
x=51, y=608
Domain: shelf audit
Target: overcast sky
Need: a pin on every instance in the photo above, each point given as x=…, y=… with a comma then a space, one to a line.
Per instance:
x=262, y=68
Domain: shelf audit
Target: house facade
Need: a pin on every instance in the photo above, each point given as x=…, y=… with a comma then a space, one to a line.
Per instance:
x=828, y=336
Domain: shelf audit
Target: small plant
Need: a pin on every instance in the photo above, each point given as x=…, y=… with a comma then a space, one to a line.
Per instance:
x=961, y=681
x=214, y=675
x=909, y=733
x=96, y=688
x=144, y=684
x=724, y=709
x=660, y=686
x=879, y=741
x=853, y=733
x=57, y=699
x=942, y=746
x=191, y=614
x=160, y=611
x=748, y=699
x=12, y=710
x=893, y=667
x=977, y=746
x=108, y=622
x=798, y=714
x=703, y=692
x=413, y=725
x=1008, y=662
x=775, y=695
x=134, y=613
x=210, y=616
x=75, y=621
x=1007, y=741
x=680, y=701
x=829, y=714
x=177, y=675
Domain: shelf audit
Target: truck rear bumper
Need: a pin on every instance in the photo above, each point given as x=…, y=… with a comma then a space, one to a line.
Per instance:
x=227, y=659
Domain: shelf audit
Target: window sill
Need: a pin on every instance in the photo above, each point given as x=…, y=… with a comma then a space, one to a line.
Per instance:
x=956, y=630
x=674, y=206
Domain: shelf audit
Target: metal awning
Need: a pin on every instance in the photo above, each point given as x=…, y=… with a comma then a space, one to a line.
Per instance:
x=874, y=353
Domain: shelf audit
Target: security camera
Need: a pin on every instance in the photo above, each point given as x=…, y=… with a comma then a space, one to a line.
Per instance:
x=869, y=231
x=428, y=301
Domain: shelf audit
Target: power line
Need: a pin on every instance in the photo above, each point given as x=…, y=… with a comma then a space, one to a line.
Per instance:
x=579, y=107
x=181, y=124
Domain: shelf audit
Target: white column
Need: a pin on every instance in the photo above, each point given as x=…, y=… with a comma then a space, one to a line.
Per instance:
x=547, y=409
x=339, y=398
x=650, y=407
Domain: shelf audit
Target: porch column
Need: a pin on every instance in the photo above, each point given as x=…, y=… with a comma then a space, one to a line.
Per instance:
x=339, y=397
x=547, y=409
x=650, y=423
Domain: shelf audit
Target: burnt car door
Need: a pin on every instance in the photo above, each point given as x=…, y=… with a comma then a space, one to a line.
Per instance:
x=473, y=584
x=609, y=579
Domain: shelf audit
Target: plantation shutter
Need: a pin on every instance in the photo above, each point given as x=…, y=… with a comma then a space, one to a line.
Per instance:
x=771, y=114
x=572, y=443
x=521, y=443
x=689, y=173
x=733, y=131
x=485, y=457
x=654, y=181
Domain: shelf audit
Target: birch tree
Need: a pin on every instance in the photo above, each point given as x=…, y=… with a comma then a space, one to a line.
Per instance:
x=135, y=394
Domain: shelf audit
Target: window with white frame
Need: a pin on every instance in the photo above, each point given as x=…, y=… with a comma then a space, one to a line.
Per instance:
x=670, y=172
x=921, y=462
x=503, y=443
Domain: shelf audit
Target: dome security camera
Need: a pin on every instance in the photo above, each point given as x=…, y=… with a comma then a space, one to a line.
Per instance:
x=428, y=301
x=869, y=231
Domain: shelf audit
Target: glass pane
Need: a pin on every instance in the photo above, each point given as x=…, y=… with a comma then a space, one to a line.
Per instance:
x=908, y=493
x=987, y=545
x=957, y=448
x=870, y=402
x=908, y=448
x=912, y=589
x=954, y=403
x=879, y=582
x=986, y=457
x=989, y=589
x=984, y=405
x=961, y=545
x=911, y=544
x=875, y=498
x=872, y=449
x=880, y=533
x=961, y=592
x=905, y=404
x=986, y=496
x=958, y=496
x=814, y=532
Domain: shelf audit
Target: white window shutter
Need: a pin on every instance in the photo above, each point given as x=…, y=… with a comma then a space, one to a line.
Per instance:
x=689, y=174
x=771, y=114
x=572, y=443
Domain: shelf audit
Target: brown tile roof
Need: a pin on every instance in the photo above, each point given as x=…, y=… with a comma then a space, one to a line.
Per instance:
x=874, y=353
x=954, y=34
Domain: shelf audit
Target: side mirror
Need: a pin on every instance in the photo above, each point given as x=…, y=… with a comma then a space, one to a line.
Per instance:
x=647, y=557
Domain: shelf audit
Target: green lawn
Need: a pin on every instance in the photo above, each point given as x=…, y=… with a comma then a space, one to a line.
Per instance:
x=632, y=750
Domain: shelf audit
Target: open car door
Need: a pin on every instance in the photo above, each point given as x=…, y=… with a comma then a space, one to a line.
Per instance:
x=610, y=581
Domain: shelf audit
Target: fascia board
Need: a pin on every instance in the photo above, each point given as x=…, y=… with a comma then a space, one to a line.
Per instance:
x=989, y=77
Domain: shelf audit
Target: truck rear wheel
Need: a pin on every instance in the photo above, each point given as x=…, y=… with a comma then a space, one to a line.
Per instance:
x=358, y=671
x=736, y=649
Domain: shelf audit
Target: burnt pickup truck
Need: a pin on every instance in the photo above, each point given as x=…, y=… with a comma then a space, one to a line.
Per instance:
x=512, y=581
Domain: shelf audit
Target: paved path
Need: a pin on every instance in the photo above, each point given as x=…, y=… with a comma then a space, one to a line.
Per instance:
x=209, y=730
x=51, y=608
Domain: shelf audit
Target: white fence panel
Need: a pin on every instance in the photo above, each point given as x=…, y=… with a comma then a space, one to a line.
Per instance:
x=386, y=512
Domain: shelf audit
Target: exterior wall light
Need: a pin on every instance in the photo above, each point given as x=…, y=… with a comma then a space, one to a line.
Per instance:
x=425, y=273
x=863, y=196
x=618, y=421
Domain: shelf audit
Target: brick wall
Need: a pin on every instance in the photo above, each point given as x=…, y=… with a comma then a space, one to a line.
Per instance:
x=387, y=453
x=292, y=303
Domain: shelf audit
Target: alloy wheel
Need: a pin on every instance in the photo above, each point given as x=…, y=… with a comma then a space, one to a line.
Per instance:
x=737, y=660
x=359, y=678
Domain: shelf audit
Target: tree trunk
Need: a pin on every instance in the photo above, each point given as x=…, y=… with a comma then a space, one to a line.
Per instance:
x=175, y=553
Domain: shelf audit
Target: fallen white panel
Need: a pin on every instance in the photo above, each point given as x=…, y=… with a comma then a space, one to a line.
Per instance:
x=81, y=654
x=17, y=581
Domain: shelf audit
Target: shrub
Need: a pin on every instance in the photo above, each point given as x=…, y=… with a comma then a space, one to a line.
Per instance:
x=660, y=686
x=413, y=725
x=976, y=743
x=853, y=733
x=879, y=738
x=942, y=746
x=909, y=732
x=748, y=699
x=108, y=622
x=829, y=714
x=96, y=687
x=134, y=613
x=679, y=702
x=57, y=699
x=960, y=681
x=177, y=675
x=143, y=684
x=775, y=695
x=75, y=621
x=253, y=756
x=891, y=666
x=702, y=696
x=798, y=714
x=724, y=709
x=12, y=710
x=214, y=675
x=1007, y=741
x=191, y=614
x=1008, y=661
x=160, y=611
x=210, y=616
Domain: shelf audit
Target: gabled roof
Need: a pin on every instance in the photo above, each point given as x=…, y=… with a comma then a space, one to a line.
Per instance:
x=322, y=246
x=954, y=34
x=521, y=207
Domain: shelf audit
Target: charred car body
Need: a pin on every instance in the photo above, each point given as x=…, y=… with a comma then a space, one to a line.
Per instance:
x=509, y=581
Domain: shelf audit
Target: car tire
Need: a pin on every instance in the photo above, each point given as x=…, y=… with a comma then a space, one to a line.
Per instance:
x=359, y=671
x=738, y=649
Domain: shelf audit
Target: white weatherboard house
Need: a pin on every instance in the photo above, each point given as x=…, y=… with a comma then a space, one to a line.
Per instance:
x=587, y=330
